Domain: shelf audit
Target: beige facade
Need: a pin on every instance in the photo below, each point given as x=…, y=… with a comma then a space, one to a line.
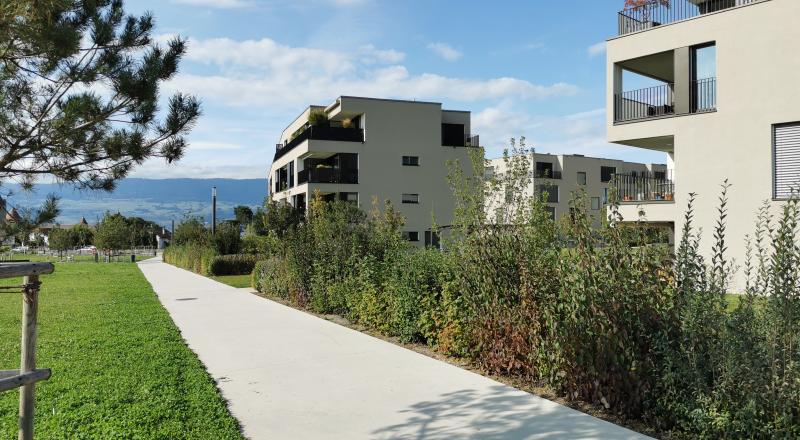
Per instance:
x=375, y=148
x=561, y=175
x=717, y=113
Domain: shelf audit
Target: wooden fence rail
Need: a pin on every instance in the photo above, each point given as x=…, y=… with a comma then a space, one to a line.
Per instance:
x=26, y=377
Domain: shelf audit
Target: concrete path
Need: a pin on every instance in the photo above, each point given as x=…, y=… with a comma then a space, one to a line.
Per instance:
x=289, y=375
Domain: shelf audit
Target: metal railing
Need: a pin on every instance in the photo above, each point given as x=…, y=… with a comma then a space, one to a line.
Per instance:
x=323, y=133
x=547, y=174
x=650, y=102
x=703, y=95
x=644, y=188
x=327, y=175
x=654, y=13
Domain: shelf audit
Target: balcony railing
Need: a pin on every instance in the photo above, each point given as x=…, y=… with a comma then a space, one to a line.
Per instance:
x=547, y=174
x=644, y=188
x=651, y=102
x=660, y=12
x=327, y=175
x=704, y=95
x=322, y=133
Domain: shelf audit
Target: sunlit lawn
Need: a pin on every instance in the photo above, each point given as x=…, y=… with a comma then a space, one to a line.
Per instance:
x=120, y=367
x=234, y=280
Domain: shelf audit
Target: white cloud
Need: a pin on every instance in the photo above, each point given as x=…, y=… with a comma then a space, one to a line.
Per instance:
x=445, y=51
x=264, y=73
x=217, y=4
x=597, y=49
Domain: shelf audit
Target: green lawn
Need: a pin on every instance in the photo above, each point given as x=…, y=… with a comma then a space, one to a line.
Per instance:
x=120, y=368
x=234, y=280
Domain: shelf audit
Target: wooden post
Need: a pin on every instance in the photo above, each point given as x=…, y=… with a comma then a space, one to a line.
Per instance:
x=30, y=304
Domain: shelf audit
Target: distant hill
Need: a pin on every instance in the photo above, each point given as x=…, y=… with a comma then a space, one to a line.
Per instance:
x=160, y=200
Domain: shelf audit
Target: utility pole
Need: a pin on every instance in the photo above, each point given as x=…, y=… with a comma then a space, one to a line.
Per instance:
x=213, y=210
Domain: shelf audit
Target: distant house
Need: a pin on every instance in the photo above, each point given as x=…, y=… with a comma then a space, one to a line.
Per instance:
x=45, y=229
x=6, y=217
x=163, y=238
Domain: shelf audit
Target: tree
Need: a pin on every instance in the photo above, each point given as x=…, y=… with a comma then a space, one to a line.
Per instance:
x=81, y=235
x=60, y=240
x=227, y=239
x=243, y=214
x=79, y=92
x=112, y=233
x=26, y=220
x=191, y=230
x=143, y=232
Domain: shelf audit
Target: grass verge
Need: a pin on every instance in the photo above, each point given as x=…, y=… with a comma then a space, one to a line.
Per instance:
x=234, y=280
x=120, y=367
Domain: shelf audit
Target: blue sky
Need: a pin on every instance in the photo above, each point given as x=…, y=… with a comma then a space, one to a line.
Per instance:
x=529, y=68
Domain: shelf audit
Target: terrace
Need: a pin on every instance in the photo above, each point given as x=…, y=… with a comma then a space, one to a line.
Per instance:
x=650, y=14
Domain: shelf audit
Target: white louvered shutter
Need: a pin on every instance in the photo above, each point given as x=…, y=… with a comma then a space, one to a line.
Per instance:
x=786, y=142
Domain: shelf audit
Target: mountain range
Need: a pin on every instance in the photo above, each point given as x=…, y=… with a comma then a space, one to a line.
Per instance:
x=159, y=200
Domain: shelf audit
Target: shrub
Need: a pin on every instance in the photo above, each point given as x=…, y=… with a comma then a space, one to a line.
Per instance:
x=194, y=257
x=238, y=264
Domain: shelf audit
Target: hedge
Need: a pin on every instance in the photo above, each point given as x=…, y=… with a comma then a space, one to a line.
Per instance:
x=194, y=257
x=237, y=264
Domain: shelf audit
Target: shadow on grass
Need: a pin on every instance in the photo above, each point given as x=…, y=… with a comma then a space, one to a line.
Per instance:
x=495, y=414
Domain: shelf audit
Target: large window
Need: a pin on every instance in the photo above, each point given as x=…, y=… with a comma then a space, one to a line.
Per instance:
x=410, y=198
x=551, y=190
x=291, y=174
x=786, y=167
x=552, y=211
x=544, y=169
x=704, y=78
x=432, y=239
x=607, y=173
x=581, y=178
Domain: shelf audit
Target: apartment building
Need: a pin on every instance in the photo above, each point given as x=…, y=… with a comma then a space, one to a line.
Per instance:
x=560, y=175
x=721, y=102
x=357, y=149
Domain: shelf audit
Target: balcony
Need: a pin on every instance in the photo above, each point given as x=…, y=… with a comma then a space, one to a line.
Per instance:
x=547, y=174
x=638, y=189
x=327, y=175
x=659, y=101
x=649, y=14
x=322, y=133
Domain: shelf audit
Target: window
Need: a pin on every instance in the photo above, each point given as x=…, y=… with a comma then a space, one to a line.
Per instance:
x=595, y=203
x=411, y=198
x=410, y=161
x=551, y=190
x=432, y=239
x=605, y=196
x=660, y=175
x=453, y=135
x=291, y=174
x=704, y=78
x=581, y=178
x=552, y=211
x=411, y=235
x=544, y=169
x=785, y=166
x=607, y=173
x=349, y=197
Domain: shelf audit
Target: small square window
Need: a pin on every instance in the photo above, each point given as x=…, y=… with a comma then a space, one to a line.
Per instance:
x=595, y=203
x=411, y=198
x=581, y=178
x=410, y=161
x=411, y=235
x=349, y=197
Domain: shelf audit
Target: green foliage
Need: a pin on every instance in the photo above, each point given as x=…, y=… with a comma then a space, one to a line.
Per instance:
x=191, y=230
x=113, y=233
x=236, y=264
x=196, y=257
x=142, y=232
x=79, y=82
x=120, y=366
x=227, y=240
x=317, y=117
x=60, y=239
x=243, y=214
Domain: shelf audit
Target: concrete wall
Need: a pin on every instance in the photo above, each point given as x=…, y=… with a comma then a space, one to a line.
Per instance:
x=757, y=68
x=393, y=129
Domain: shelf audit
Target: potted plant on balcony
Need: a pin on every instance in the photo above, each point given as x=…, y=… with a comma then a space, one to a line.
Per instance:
x=640, y=13
x=317, y=117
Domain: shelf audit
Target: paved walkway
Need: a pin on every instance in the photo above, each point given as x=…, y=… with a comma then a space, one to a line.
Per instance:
x=289, y=375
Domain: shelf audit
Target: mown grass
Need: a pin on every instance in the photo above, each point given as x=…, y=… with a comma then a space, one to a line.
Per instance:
x=120, y=367
x=234, y=280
